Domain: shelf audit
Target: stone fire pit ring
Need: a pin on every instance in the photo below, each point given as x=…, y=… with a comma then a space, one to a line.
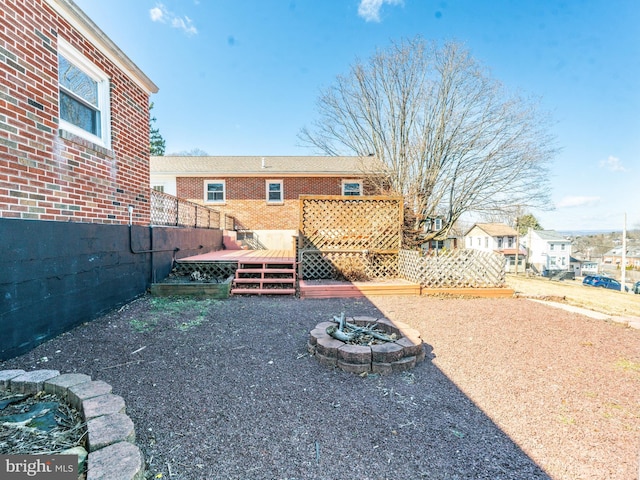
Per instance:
x=402, y=354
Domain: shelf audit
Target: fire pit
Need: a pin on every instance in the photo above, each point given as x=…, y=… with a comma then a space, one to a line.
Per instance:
x=387, y=347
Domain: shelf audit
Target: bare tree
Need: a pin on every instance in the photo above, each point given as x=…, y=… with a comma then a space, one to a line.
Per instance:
x=448, y=137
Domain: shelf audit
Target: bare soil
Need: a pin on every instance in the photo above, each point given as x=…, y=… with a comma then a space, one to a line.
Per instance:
x=510, y=389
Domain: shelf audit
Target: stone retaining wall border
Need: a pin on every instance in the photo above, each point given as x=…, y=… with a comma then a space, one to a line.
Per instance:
x=112, y=452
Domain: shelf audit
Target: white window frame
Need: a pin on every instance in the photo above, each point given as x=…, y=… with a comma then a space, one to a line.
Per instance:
x=280, y=201
x=437, y=224
x=224, y=191
x=358, y=182
x=104, y=97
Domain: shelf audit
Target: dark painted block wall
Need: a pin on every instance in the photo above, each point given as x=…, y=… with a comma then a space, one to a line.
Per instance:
x=56, y=275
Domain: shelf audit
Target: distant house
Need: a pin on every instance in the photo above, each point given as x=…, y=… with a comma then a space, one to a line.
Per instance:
x=614, y=257
x=500, y=238
x=549, y=252
x=261, y=193
x=584, y=267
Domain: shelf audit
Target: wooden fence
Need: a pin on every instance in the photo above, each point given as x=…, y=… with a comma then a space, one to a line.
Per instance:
x=453, y=269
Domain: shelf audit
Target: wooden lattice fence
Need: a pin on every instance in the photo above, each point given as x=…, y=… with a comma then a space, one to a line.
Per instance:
x=453, y=269
x=359, y=232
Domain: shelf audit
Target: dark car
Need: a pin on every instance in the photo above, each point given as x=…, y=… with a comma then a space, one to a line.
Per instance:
x=603, y=282
x=636, y=287
x=590, y=279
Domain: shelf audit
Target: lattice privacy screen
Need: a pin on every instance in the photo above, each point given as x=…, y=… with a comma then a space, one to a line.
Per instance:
x=364, y=232
x=455, y=268
x=351, y=223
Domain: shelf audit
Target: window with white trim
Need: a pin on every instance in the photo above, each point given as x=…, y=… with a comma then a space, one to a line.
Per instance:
x=214, y=191
x=274, y=191
x=352, y=188
x=83, y=96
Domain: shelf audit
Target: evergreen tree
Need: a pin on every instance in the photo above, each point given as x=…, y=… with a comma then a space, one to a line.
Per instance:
x=526, y=221
x=156, y=142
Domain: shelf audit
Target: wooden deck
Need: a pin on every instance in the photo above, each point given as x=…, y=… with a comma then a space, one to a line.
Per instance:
x=246, y=256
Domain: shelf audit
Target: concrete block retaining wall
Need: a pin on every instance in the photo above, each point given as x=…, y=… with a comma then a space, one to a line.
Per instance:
x=112, y=452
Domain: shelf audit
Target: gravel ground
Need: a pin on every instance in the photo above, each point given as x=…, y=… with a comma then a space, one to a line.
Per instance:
x=510, y=389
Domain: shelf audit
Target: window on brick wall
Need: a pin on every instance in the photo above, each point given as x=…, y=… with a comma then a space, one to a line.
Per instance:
x=214, y=191
x=274, y=191
x=84, y=96
x=352, y=187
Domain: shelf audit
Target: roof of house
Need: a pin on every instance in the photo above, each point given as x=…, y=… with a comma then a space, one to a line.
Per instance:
x=550, y=235
x=495, y=229
x=185, y=166
x=79, y=20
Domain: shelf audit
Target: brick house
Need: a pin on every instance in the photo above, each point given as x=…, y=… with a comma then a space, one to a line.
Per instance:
x=261, y=193
x=74, y=157
x=74, y=118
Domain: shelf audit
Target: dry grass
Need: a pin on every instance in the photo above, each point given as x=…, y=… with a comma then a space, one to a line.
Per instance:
x=574, y=293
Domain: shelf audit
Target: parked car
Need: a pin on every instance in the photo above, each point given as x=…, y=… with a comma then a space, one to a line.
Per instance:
x=590, y=279
x=603, y=282
x=636, y=287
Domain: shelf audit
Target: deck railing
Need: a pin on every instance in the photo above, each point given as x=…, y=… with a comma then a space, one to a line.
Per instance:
x=173, y=211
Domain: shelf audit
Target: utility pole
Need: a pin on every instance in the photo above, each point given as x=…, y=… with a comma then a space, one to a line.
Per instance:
x=517, y=245
x=623, y=263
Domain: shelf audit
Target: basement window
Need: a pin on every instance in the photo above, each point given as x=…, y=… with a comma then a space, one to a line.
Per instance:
x=83, y=96
x=274, y=191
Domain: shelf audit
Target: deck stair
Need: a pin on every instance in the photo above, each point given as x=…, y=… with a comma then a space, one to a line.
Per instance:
x=264, y=277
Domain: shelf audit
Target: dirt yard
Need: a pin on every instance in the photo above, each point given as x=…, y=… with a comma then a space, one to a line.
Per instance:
x=225, y=389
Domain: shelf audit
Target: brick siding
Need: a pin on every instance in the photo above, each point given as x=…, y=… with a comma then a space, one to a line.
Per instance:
x=246, y=198
x=47, y=173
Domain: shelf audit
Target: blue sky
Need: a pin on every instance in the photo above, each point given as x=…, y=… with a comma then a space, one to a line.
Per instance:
x=241, y=77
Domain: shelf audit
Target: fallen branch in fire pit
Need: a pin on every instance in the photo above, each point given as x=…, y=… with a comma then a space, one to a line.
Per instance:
x=354, y=334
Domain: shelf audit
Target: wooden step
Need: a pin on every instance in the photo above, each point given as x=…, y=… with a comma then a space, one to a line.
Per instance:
x=264, y=280
x=265, y=270
x=263, y=291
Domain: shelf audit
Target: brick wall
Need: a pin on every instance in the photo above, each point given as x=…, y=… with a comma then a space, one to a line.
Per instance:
x=47, y=173
x=246, y=198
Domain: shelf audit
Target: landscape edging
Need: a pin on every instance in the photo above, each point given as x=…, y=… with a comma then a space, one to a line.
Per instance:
x=103, y=413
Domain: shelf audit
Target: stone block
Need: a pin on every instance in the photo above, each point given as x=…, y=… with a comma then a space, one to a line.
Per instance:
x=121, y=461
x=381, y=368
x=404, y=364
x=107, y=430
x=386, y=352
x=31, y=382
x=83, y=391
x=354, y=367
x=6, y=376
x=357, y=354
x=59, y=385
x=328, y=346
x=103, y=405
x=411, y=346
x=326, y=361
